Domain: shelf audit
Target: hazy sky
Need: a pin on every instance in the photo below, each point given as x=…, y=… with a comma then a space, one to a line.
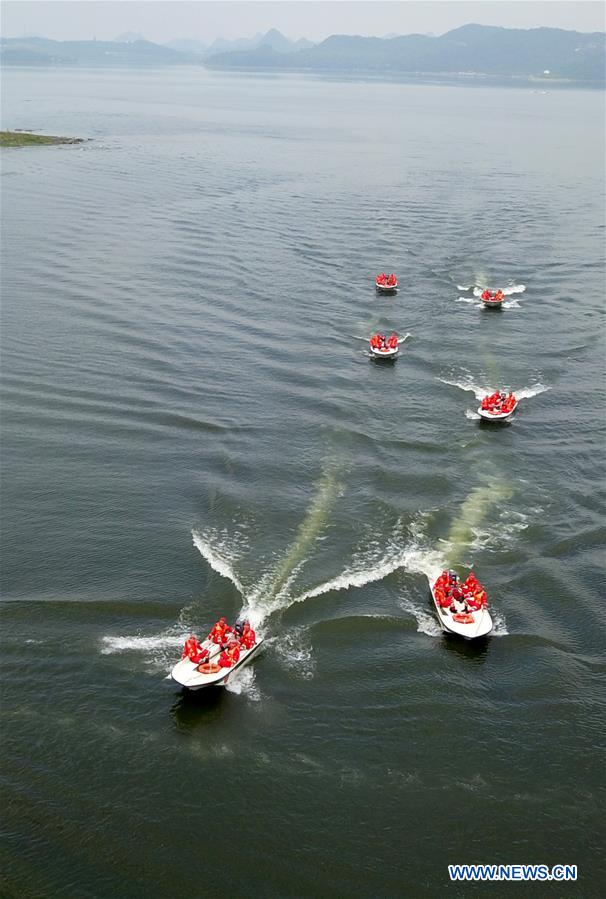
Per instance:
x=162, y=20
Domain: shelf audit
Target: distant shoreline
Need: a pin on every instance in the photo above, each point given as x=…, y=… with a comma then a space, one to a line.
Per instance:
x=30, y=139
x=393, y=76
x=474, y=79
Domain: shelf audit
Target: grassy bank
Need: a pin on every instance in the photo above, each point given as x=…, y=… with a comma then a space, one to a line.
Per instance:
x=27, y=139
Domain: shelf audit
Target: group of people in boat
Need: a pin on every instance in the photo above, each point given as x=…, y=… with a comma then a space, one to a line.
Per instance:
x=384, y=280
x=460, y=598
x=382, y=343
x=223, y=645
x=499, y=402
x=489, y=297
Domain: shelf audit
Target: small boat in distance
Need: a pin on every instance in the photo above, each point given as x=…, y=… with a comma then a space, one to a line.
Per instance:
x=492, y=300
x=500, y=406
x=382, y=347
x=462, y=608
x=386, y=283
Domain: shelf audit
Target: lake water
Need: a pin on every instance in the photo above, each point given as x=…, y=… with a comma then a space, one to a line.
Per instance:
x=192, y=424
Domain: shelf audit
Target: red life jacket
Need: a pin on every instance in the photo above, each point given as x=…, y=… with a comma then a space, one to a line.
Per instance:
x=248, y=639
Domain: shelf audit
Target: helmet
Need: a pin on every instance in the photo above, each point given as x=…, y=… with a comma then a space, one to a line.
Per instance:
x=452, y=574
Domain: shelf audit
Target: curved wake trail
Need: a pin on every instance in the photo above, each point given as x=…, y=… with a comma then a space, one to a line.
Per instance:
x=407, y=548
x=465, y=530
x=220, y=556
x=480, y=392
x=273, y=593
x=467, y=384
x=526, y=392
x=507, y=291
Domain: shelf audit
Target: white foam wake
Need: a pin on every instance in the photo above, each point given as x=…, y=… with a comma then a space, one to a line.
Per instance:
x=427, y=623
x=221, y=555
x=480, y=392
x=243, y=681
x=479, y=289
x=402, y=551
x=295, y=651
x=526, y=392
x=514, y=288
x=142, y=644
x=469, y=385
x=160, y=651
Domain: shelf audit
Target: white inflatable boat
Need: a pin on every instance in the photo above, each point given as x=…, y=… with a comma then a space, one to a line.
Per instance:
x=493, y=303
x=470, y=625
x=385, y=353
x=384, y=287
x=487, y=415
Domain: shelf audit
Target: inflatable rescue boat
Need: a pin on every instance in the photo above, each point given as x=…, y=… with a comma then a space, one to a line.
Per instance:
x=387, y=352
x=487, y=415
x=492, y=300
x=386, y=283
x=470, y=625
x=498, y=406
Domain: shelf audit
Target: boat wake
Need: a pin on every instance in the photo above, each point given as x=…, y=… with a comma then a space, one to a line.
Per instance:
x=273, y=592
x=408, y=548
x=478, y=288
x=480, y=391
x=509, y=291
x=221, y=551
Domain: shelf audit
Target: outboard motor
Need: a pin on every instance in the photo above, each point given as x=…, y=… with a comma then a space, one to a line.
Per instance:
x=240, y=625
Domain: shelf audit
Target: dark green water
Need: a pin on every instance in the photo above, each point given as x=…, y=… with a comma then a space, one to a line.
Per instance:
x=191, y=425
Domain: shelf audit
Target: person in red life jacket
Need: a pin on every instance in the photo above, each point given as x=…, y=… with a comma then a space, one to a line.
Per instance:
x=442, y=580
x=458, y=604
x=499, y=295
x=193, y=650
x=220, y=633
x=479, y=600
x=392, y=340
x=486, y=295
x=442, y=599
x=225, y=660
x=509, y=403
x=248, y=638
x=471, y=583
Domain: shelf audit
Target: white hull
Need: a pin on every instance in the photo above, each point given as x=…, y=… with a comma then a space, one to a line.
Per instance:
x=493, y=304
x=500, y=416
x=385, y=288
x=187, y=675
x=481, y=627
x=390, y=353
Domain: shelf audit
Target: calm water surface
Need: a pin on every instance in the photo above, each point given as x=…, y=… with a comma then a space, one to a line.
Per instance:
x=191, y=425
